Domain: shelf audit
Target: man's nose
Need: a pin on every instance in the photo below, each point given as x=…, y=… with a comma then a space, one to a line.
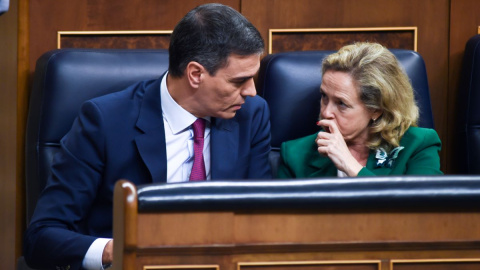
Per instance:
x=249, y=89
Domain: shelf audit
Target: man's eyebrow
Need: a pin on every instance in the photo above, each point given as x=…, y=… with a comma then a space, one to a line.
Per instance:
x=241, y=78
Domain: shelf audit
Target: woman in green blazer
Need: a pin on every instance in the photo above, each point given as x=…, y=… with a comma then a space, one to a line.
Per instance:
x=368, y=120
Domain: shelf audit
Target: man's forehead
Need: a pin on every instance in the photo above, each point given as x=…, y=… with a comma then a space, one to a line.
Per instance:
x=242, y=65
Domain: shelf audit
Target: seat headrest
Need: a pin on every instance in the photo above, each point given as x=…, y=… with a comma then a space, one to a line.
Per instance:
x=65, y=78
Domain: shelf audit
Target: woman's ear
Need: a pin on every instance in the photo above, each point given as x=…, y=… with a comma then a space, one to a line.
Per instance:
x=194, y=73
x=376, y=114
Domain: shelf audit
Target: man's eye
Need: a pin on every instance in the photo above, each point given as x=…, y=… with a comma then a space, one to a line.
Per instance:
x=239, y=82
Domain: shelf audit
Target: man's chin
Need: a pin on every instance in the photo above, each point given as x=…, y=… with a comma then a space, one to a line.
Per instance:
x=227, y=114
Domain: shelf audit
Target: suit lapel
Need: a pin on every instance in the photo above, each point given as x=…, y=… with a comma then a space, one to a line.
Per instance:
x=321, y=166
x=151, y=144
x=223, y=147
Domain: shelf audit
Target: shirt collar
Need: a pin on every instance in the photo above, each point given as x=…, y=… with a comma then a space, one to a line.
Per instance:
x=176, y=117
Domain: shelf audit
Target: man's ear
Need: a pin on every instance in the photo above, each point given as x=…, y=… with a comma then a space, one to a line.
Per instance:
x=194, y=73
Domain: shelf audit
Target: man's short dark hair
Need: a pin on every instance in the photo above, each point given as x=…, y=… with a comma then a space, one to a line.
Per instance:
x=209, y=34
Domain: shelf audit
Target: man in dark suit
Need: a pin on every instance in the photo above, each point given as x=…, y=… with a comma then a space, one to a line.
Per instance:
x=144, y=134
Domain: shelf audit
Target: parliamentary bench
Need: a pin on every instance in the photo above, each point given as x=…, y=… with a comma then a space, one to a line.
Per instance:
x=405, y=222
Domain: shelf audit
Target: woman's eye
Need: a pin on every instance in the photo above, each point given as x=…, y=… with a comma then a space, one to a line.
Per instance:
x=342, y=104
x=324, y=100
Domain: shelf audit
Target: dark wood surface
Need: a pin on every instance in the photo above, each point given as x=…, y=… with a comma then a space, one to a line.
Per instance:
x=306, y=41
x=313, y=266
x=9, y=222
x=115, y=40
x=50, y=16
x=437, y=265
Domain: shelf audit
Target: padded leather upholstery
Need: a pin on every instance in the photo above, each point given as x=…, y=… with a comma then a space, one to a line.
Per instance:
x=467, y=133
x=290, y=84
x=371, y=193
x=63, y=80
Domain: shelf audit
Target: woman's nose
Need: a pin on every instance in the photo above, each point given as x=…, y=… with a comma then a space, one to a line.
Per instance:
x=326, y=111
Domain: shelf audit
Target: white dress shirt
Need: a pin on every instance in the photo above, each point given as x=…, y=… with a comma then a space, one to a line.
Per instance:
x=179, y=142
x=341, y=174
x=179, y=138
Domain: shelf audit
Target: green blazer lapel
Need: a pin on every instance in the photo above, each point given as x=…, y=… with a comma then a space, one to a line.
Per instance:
x=320, y=166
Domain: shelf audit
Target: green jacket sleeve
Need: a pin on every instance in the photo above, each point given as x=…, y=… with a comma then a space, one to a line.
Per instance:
x=283, y=171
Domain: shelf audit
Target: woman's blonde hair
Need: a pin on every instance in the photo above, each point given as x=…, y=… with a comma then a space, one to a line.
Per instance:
x=383, y=86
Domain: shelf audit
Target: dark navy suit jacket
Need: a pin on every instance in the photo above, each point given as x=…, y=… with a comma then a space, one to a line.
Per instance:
x=121, y=136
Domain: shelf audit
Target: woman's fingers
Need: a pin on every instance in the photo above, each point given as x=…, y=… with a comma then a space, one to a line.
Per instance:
x=330, y=143
x=328, y=125
x=322, y=150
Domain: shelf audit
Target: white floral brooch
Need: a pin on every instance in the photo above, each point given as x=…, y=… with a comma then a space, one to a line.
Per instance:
x=387, y=160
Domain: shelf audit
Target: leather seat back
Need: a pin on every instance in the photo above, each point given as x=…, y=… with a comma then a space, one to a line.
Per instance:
x=467, y=133
x=63, y=80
